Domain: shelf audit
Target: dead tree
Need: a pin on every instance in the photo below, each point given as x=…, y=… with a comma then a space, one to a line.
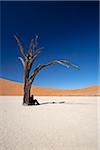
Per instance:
x=28, y=60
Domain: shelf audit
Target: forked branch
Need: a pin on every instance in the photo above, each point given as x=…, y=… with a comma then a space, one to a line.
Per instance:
x=33, y=57
x=61, y=62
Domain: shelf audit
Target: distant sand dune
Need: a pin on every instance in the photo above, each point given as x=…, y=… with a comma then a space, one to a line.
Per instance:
x=10, y=88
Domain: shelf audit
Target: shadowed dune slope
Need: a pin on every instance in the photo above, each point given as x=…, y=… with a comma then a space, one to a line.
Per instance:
x=10, y=88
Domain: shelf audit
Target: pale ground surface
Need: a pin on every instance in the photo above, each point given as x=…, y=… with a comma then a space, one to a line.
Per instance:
x=69, y=126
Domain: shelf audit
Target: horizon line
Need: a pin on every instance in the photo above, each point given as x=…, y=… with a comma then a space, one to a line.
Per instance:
x=4, y=78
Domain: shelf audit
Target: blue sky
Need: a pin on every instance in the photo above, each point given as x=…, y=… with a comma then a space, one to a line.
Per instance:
x=67, y=30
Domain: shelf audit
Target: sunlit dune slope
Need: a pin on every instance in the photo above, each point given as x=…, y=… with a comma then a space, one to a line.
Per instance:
x=10, y=88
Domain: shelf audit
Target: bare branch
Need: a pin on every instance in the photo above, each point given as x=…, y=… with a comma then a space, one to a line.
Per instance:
x=68, y=64
x=22, y=61
x=33, y=45
x=37, y=51
x=36, y=43
x=20, y=46
x=62, y=63
x=40, y=67
x=33, y=57
x=32, y=60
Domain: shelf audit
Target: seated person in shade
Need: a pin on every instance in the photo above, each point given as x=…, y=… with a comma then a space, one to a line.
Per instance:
x=33, y=101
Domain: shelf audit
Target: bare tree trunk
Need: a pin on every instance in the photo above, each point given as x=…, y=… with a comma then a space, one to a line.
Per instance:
x=27, y=91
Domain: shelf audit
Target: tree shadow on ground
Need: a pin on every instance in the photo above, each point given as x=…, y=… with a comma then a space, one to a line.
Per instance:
x=64, y=102
x=52, y=103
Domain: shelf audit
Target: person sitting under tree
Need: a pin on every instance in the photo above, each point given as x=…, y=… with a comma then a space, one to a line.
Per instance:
x=33, y=101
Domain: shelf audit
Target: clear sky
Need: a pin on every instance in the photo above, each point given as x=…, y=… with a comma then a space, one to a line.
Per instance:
x=67, y=30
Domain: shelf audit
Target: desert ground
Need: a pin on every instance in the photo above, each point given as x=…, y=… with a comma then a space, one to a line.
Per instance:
x=71, y=123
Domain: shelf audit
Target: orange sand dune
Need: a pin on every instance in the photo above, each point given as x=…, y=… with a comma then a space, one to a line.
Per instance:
x=10, y=88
